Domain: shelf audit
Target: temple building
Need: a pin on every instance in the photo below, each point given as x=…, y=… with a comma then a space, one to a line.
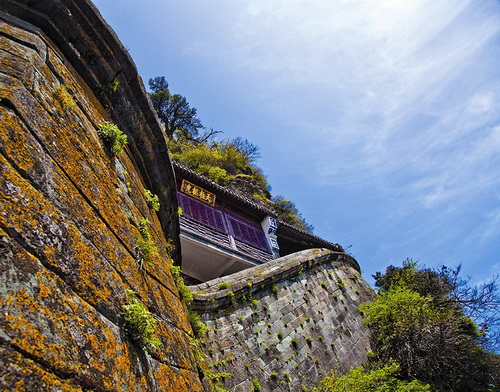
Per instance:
x=223, y=232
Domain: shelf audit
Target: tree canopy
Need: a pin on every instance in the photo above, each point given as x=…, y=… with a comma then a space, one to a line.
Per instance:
x=229, y=163
x=421, y=331
x=377, y=379
x=180, y=119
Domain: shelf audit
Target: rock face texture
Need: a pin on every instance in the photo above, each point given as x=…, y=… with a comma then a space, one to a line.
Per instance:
x=72, y=215
x=285, y=324
x=70, y=211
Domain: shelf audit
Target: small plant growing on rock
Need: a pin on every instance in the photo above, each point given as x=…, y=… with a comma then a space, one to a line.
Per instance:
x=111, y=87
x=223, y=285
x=230, y=295
x=64, y=98
x=184, y=292
x=275, y=289
x=256, y=385
x=140, y=323
x=112, y=137
x=144, y=245
x=152, y=200
x=199, y=327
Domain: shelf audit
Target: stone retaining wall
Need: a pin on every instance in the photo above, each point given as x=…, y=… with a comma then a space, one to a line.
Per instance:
x=285, y=324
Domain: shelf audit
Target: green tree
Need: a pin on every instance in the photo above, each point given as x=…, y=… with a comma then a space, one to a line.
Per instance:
x=447, y=288
x=289, y=213
x=416, y=322
x=180, y=119
x=377, y=379
x=229, y=163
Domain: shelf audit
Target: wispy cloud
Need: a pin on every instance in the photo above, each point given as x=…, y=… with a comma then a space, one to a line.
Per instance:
x=407, y=84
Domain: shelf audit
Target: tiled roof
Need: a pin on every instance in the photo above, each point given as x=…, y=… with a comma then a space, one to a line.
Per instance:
x=221, y=190
x=250, y=205
x=290, y=231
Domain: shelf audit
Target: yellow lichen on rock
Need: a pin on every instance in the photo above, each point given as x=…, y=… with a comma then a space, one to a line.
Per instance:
x=67, y=227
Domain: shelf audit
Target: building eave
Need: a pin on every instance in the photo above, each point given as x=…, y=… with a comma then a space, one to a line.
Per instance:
x=254, y=208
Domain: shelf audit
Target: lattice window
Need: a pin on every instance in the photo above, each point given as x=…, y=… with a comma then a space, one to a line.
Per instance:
x=246, y=233
x=202, y=213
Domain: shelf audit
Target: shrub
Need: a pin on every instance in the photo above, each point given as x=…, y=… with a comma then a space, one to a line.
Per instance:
x=140, y=323
x=112, y=137
x=152, y=200
x=256, y=385
x=378, y=379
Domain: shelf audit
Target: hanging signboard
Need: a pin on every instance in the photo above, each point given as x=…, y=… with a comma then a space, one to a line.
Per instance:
x=198, y=193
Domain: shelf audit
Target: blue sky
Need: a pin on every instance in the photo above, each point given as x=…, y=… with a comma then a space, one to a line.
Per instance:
x=379, y=119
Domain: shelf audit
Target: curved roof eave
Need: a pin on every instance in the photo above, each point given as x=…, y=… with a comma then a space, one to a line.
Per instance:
x=284, y=228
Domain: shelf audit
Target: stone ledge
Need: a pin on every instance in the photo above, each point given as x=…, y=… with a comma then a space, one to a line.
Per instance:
x=209, y=295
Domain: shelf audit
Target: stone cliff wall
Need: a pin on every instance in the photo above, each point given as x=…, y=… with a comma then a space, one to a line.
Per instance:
x=70, y=216
x=70, y=211
x=285, y=324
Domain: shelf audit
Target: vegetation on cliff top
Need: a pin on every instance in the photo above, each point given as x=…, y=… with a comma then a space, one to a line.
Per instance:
x=229, y=163
x=422, y=330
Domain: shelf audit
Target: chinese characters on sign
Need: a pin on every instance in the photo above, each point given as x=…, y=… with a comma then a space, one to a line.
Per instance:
x=198, y=193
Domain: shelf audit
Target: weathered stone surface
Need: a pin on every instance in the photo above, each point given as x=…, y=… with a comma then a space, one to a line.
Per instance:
x=69, y=217
x=287, y=323
x=70, y=211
